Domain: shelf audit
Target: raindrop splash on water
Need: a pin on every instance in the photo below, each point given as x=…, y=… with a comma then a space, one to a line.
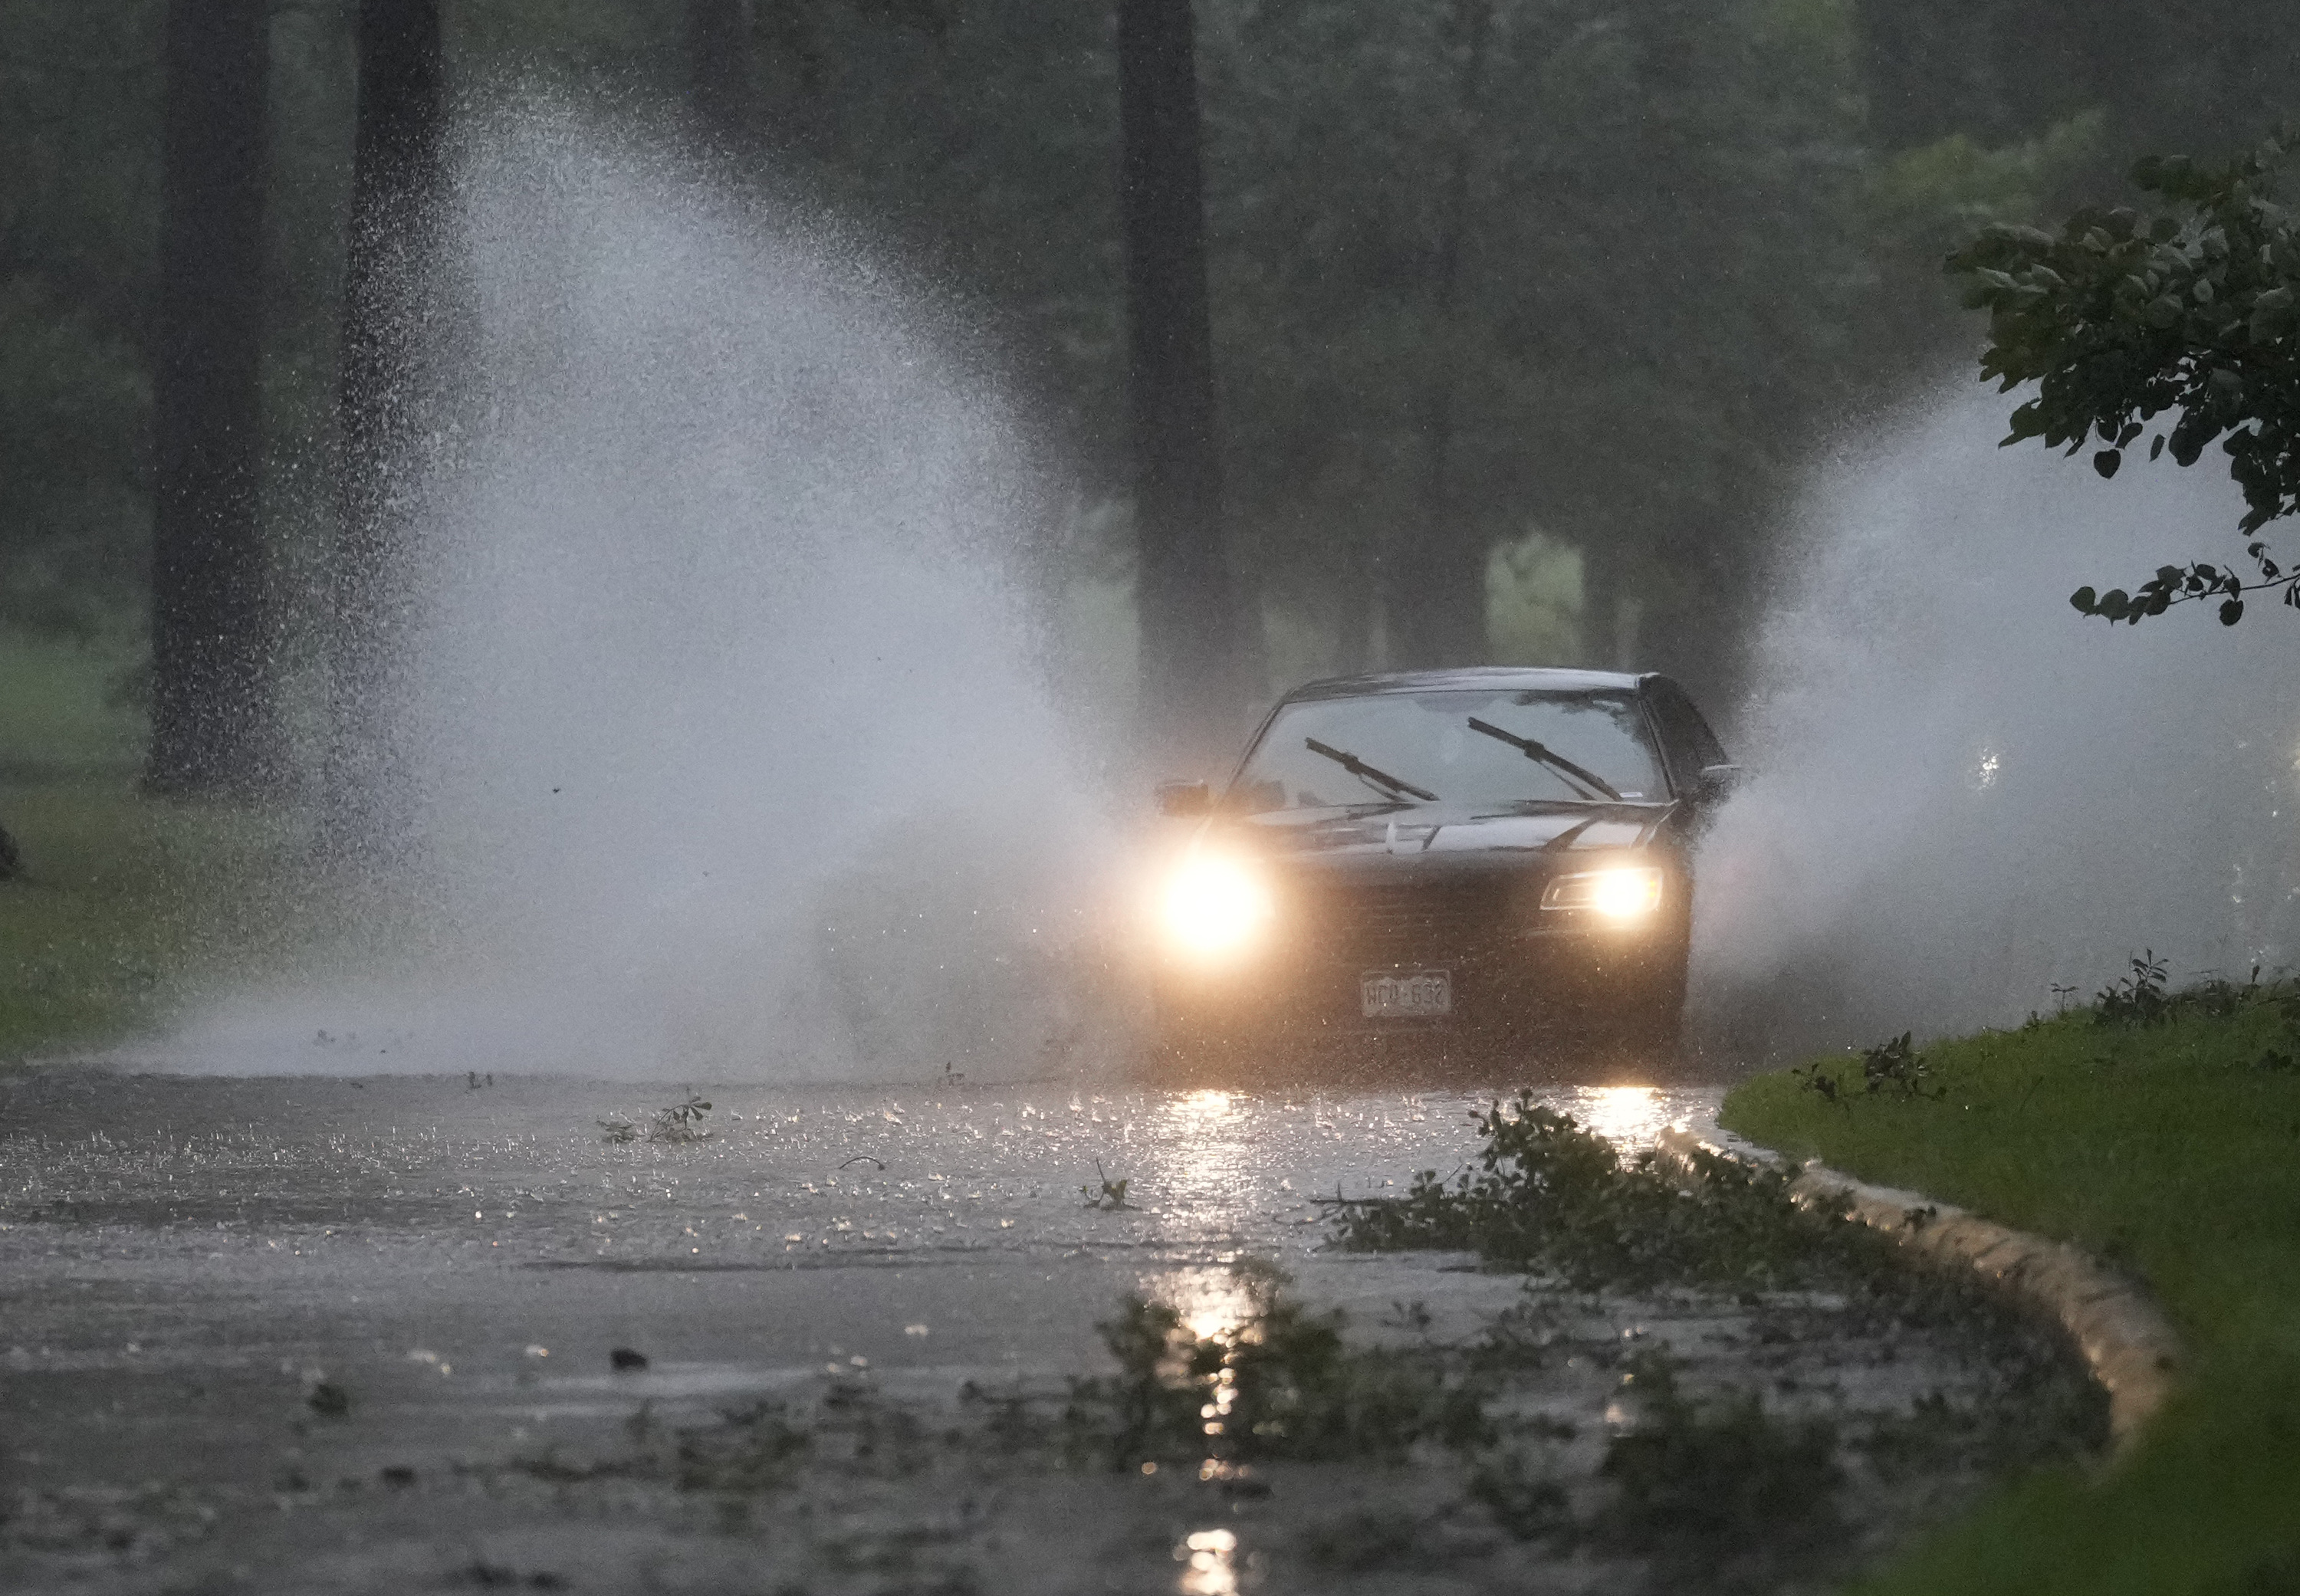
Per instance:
x=1965, y=792
x=728, y=743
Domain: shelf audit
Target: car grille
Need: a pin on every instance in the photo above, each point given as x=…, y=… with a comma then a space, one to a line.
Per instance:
x=1369, y=924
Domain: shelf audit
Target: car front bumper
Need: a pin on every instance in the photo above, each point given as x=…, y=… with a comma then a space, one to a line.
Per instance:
x=1507, y=985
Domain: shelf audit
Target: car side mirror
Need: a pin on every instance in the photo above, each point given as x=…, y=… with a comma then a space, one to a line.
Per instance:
x=1185, y=800
x=1716, y=782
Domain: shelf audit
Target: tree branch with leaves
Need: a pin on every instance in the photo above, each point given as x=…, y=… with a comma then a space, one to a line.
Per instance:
x=2180, y=326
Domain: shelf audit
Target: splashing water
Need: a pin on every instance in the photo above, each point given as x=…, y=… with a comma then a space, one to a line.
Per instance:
x=732, y=750
x=1965, y=792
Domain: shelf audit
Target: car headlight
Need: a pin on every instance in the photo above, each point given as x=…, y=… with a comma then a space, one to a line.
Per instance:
x=1624, y=894
x=1215, y=904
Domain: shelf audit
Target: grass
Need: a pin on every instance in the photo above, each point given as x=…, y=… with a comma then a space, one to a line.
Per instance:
x=2162, y=1134
x=62, y=711
x=126, y=907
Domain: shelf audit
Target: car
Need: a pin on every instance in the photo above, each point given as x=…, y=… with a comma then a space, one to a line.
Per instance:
x=1471, y=865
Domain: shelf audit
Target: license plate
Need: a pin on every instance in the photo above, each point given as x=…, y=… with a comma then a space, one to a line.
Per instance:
x=1406, y=994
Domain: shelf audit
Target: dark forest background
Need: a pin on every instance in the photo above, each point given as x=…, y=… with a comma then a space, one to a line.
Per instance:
x=1526, y=313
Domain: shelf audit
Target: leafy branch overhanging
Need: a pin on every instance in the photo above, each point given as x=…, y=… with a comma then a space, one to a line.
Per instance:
x=2122, y=318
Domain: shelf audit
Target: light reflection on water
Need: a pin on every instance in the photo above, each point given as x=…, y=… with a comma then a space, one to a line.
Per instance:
x=1209, y=1560
x=1226, y=1166
x=1211, y=1301
x=1210, y=1160
x=1214, y=1167
x=1630, y=1116
x=1232, y=1176
x=1223, y=1160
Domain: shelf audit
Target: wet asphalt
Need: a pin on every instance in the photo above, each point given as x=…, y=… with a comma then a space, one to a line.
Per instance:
x=179, y=1234
x=460, y=1271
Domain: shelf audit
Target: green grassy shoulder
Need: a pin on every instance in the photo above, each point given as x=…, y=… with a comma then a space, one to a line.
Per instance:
x=64, y=708
x=2170, y=1150
x=128, y=907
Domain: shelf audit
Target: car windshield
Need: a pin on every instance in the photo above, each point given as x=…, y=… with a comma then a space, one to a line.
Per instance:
x=1414, y=747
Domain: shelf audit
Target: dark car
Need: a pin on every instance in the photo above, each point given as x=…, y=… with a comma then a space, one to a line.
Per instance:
x=1477, y=863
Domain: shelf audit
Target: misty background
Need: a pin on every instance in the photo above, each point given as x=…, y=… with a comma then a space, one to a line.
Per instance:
x=785, y=546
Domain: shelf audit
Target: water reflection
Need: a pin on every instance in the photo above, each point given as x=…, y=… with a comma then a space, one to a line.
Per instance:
x=1209, y=1160
x=1628, y=1116
x=1232, y=1175
x=1210, y=1560
x=1211, y=1301
x=1204, y=1104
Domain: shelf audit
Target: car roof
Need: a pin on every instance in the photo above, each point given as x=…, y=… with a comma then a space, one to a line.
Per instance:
x=1488, y=678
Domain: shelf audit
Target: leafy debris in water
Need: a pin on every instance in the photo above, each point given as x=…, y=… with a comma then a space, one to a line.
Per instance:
x=1280, y=1384
x=1112, y=1194
x=1551, y=1196
x=678, y=1124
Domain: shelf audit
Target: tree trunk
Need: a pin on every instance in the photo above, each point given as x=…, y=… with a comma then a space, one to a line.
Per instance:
x=213, y=728
x=718, y=74
x=1183, y=588
x=1439, y=588
x=383, y=407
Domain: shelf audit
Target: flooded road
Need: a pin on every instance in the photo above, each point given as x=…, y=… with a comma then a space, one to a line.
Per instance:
x=240, y=1227
x=278, y=1331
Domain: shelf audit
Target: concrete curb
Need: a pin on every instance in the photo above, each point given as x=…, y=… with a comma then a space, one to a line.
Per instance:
x=2125, y=1338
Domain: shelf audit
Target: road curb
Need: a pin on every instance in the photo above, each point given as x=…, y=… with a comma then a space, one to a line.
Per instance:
x=2123, y=1335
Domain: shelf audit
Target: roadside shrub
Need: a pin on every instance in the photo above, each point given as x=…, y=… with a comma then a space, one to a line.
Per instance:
x=1896, y=1069
x=2138, y=998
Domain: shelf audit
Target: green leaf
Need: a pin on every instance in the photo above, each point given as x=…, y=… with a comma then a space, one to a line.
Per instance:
x=2085, y=599
x=2231, y=612
x=2106, y=462
x=2156, y=446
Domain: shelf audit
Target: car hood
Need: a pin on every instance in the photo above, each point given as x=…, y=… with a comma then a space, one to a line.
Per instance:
x=1432, y=830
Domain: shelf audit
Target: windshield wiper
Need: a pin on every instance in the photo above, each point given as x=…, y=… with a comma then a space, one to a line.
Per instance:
x=1367, y=773
x=1542, y=754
